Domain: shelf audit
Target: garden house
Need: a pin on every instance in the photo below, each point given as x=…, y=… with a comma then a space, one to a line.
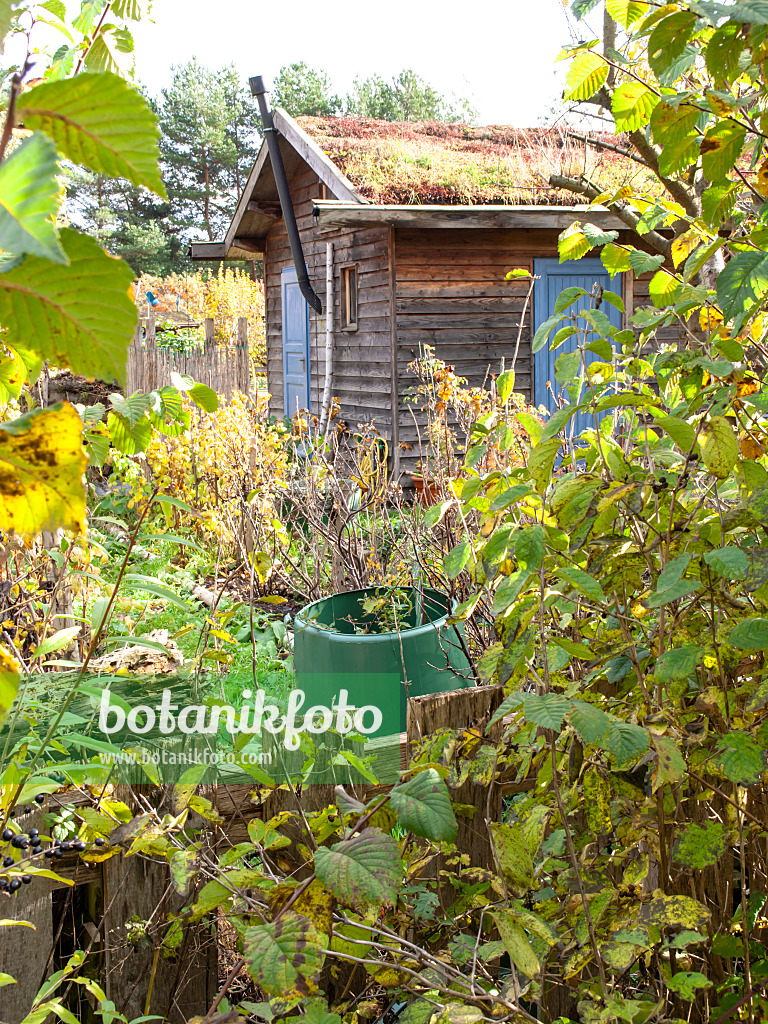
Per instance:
x=425, y=222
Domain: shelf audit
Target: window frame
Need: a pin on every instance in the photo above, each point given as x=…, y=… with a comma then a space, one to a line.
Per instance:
x=348, y=297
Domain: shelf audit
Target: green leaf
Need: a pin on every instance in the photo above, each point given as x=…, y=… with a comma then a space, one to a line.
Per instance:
x=741, y=758
x=730, y=562
x=677, y=592
x=541, y=461
x=686, y=984
x=700, y=845
x=643, y=262
x=719, y=446
x=29, y=200
x=626, y=12
x=567, y=367
x=546, y=710
x=79, y=315
x=749, y=634
x=679, y=663
x=456, y=559
x=516, y=942
x=134, y=581
x=567, y=297
x=681, y=432
x=673, y=572
x=670, y=911
x=615, y=259
x=626, y=742
x=57, y=642
x=42, y=462
x=592, y=725
x=203, y=396
x=632, y=104
x=423, y=806
x=670, y=763
x=663, y=288
x=183, y=869
x=587, y=584
x=674, y=131
x=720, y=149
x=572, y=243
x=505, y=385
x=514, y=856
x=586, y=75
x=742, y=282
x=557, y=421
x=129, y=438
x=100, y=121
x=363, y=870
x=668, y=41
x=543, y=331
x=530, y=547
x=284, y=957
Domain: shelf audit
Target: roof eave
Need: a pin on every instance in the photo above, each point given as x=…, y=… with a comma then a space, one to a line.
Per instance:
x=332, y=215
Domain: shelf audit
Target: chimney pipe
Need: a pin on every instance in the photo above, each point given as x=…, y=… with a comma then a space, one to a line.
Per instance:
x=258, y=89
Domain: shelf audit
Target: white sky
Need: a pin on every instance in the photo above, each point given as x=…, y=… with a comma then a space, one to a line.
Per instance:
x=499, y=53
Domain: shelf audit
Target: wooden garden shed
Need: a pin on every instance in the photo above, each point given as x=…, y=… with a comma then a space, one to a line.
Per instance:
x=425, y=222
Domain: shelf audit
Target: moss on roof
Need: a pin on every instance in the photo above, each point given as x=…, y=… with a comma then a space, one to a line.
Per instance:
x=455, y=164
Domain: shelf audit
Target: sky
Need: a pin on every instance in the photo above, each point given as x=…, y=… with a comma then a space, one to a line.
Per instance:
x=500, y=54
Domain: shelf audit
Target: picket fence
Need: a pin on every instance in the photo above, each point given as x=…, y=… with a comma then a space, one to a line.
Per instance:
x=224, y=366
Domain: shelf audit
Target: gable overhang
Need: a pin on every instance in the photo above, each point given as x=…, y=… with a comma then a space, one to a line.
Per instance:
x=258, y=206
x=335, y=215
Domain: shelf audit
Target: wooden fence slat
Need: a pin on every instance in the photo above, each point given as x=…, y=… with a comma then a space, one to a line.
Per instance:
x=224, y=366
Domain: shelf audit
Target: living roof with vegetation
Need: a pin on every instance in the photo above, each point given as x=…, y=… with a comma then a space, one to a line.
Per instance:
x=455, y=164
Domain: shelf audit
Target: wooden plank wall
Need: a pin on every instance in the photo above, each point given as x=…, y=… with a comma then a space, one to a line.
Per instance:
x=361, y=378
x=451, y=293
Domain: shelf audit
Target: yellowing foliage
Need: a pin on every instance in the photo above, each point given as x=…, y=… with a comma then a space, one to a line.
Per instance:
x=221, y=460
x=224, y=296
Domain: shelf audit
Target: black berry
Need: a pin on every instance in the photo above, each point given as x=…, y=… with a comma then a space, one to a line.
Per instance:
x=14, y=884
x=26, y=879
x=58, y=852
x=49, y=853
x=27, y=809
x=32, y=833
x=100, y=840
x=40, y=798
x=66, y=845
x=7, y=862
x=8, y=835
x=79, y=845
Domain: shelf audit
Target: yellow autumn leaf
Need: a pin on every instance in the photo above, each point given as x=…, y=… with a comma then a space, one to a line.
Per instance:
x=42, y=462
x=761, y=178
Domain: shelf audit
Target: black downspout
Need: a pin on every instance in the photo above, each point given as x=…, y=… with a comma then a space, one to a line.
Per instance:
x=276, y=159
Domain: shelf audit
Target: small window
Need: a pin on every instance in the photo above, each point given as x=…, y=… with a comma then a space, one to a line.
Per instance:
x=349, y=298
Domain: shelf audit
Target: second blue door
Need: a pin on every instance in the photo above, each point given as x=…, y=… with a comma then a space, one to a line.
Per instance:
x=553, y=278
x=296, y=381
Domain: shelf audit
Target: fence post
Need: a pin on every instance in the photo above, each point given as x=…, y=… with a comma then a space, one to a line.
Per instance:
x=243, y=361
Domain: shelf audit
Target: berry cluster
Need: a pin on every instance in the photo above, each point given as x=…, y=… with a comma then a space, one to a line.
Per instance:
x=30, y=846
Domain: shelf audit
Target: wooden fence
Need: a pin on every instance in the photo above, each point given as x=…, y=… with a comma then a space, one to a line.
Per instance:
x=223, y=366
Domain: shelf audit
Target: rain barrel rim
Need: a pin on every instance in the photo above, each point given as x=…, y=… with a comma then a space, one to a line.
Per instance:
x=301, y=623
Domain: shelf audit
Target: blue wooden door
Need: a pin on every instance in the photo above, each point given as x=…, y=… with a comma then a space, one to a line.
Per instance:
x=296, y=370
x=554, y=277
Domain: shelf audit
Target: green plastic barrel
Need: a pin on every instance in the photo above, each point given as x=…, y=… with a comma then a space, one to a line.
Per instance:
x=330, y=655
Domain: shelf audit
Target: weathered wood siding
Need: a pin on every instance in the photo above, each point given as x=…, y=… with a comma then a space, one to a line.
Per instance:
x=451, y=293
x=362, y=375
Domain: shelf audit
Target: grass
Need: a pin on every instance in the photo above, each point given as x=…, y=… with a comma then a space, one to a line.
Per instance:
x=451, y=164
x=223, y=642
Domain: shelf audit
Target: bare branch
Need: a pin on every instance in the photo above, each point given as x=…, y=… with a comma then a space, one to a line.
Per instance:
x=624, y=213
